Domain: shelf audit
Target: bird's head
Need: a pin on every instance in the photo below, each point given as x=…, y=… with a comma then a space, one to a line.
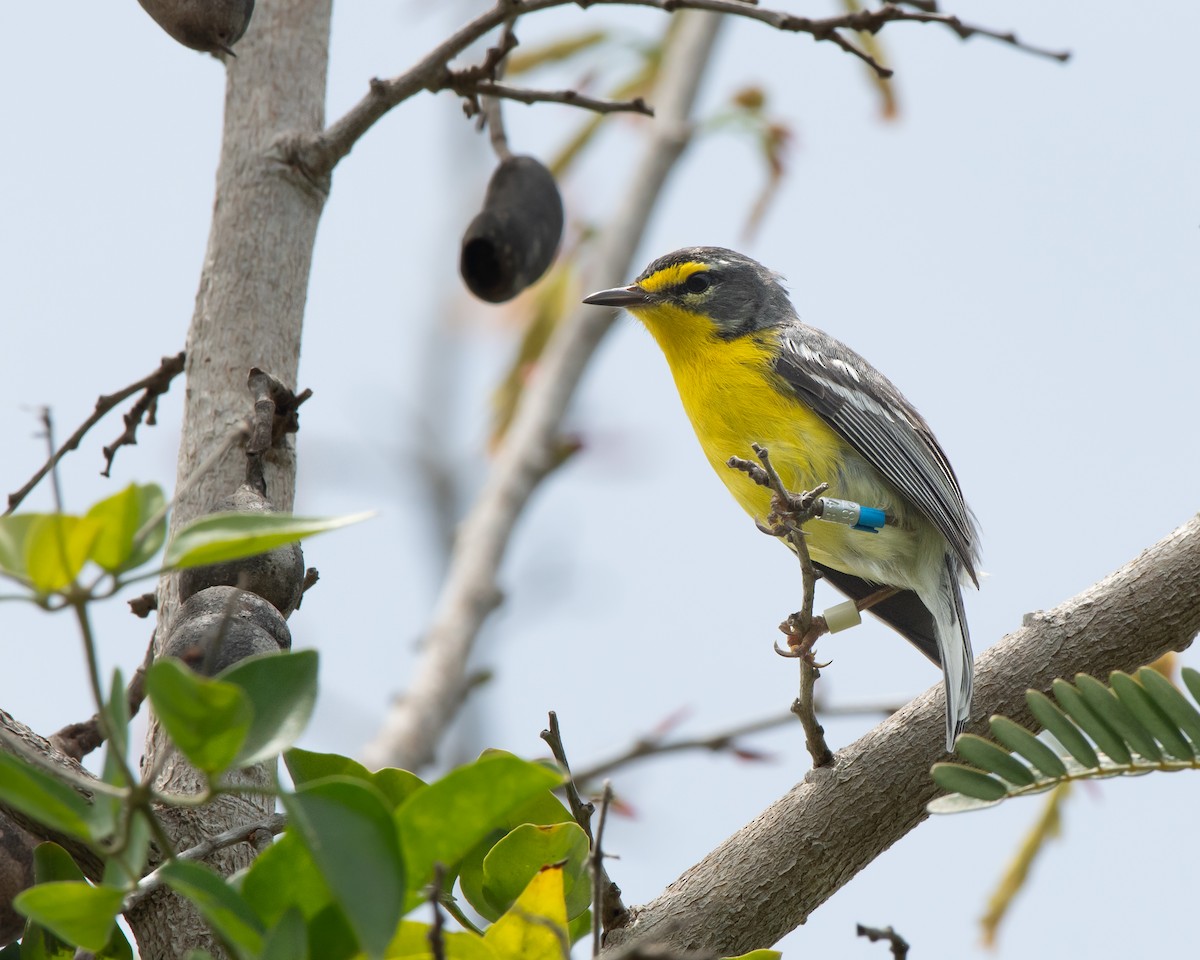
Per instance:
x=703, y=291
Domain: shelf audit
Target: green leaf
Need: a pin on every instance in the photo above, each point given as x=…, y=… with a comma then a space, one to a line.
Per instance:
x=396, y=785
x=287, y=939
x=330, y=936
x=1191, y=680
x=987, y=756
x=43, y=797
x=106, y=810
x=542, y=808
x=968, y=781
x=1117, y=715
x=1093, y=725
x=207, y=719
x=351, y=835
x=441, y=823
x=56, y=549
x=284, y=876
x=14, y=533
x=1150, y=715
x=516, y=860
x=1173, y=703
x=282, y=690
x=73, y=910
x=1019, y=740
x=127, y=865
x=121, y=518
x=305, y=766
x=230, y=536
x=412, y=941
x=225, y=910
x=1059, y=724
x=757, y=955
x=52, y=863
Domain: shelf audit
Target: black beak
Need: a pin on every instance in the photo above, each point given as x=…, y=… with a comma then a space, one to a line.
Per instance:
x=630, y=296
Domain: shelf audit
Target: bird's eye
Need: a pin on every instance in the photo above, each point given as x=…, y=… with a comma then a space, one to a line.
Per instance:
x=697, y=283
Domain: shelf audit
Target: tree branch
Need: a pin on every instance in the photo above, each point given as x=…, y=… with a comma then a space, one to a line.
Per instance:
x=416, y=722
x=502, y=91
x=154, y=386
x=767, y=878
x=318, y=155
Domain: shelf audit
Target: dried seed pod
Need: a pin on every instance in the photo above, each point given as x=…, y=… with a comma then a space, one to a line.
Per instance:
x=207, y=25
x=220, y=626
x=512, y=241
x=276, y=576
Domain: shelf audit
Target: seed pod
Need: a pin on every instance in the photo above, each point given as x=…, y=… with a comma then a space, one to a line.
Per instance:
x=512, y=242
x=206, y=25
x=222, y=625
x=277, y=576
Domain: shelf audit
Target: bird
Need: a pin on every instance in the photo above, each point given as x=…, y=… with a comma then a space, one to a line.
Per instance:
x=749, y=371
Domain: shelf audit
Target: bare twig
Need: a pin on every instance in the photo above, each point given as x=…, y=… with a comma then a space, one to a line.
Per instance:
x=789, y=513
x=436, y=935
x=724, y=741
x=271, y=825
x=600, y=879
x=417, y=721
x=77, y=740
x=572, y=98
x=154, y=386
x=610, y=911
x=805, y=710
x=898, y=944
x=318, y=155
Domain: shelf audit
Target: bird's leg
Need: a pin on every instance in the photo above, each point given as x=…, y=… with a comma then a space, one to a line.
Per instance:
x=867, y=602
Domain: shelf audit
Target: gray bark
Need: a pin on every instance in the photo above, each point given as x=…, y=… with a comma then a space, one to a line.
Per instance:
x=768, y=877
x=249, y=312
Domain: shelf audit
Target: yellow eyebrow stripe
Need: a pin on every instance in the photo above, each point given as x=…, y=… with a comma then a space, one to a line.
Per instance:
x=671, y=276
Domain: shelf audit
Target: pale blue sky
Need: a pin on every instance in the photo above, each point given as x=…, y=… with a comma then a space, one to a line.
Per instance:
x=1018, y=252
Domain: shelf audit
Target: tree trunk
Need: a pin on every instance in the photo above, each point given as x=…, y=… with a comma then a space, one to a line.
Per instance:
x=249, y=313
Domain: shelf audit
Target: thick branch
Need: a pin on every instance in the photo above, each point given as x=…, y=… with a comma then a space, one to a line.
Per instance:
x=768, y=877
x=417, y=721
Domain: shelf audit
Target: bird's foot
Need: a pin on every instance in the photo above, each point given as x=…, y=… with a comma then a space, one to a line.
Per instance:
x=801, y=637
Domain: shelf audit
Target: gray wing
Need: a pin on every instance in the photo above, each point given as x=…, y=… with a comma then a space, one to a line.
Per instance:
x=863, y=406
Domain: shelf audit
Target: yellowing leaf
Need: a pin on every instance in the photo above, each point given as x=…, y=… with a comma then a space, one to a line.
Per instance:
x=535, y=927
x=56, y=549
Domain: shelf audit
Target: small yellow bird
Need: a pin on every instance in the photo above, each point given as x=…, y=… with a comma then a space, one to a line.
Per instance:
x=749, y=371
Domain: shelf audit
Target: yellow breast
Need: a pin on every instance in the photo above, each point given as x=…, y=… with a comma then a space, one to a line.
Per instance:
x=734, y=399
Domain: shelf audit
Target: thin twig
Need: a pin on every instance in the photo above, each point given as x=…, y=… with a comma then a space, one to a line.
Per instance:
x=572, y=98
x=436, y=935
x=77, y=740
x=611, y=911
x=154, y=385
x=273, y=825
x=318, y=155
x=491, y=112
x=789, y=513
x=723, y=741
x=600, y=879
x=804, y=708
x=581, y=809
x=898, y=943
